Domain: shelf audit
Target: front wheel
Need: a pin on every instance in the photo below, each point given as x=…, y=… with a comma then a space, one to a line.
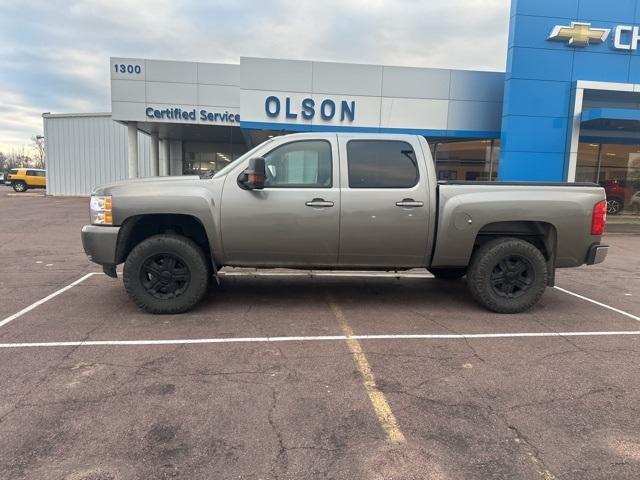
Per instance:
x=614, y=206
x=166, y=274
x=507, y=275
x=19, y=187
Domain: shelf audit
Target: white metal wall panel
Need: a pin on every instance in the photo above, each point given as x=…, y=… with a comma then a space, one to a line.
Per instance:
x=218, y=74
x=468, y=115
x=169, y=71
x=275, y=74
x=219, y=95
x=347, y=79
x=410, y=82
x=84, y=151
x=479, y=86
x=127, y=91
x=172, y=93
x=163, y=85
x=385, y=97
x=433, y=96
x=418, y=113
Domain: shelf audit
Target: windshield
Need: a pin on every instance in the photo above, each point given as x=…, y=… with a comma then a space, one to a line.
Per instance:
x=237, y=161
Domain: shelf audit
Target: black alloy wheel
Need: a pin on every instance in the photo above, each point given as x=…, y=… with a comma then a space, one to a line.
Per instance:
x=165, y=275
x=512, y=276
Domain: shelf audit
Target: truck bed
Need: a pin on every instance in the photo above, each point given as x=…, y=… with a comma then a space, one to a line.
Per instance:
x=468, y=209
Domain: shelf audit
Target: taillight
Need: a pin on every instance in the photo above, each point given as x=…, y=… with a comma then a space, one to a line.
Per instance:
x=599, y=218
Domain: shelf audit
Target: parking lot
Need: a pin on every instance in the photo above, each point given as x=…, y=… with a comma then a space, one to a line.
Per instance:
x=281, y=375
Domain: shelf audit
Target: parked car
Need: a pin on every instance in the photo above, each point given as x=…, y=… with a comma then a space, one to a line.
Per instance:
x=1, y=178
x=618, y=194
x=21, y=179
x=342, y=201
x=634, y=204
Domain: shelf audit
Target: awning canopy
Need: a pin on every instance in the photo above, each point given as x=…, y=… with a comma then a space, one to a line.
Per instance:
x=615, y=119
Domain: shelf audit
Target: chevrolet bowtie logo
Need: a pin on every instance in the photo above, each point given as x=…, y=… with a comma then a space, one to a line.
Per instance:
x=579, y=34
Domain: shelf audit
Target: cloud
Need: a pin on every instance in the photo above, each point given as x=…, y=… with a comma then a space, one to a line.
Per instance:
x=55, y=54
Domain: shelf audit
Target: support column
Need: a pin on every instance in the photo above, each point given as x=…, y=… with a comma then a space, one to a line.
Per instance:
x=166, y=158
x=155, y=155
x=132, y=131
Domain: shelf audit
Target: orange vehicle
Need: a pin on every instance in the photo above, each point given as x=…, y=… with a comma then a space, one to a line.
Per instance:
x=21, y=179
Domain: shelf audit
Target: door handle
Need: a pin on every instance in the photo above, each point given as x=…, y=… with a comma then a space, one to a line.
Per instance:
x=319, y=203
x=409, y=203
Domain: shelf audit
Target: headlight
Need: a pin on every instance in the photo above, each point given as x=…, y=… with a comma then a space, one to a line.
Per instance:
x=100, y=211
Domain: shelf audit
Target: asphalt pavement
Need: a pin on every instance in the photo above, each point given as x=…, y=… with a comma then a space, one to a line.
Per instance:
x=297, y=376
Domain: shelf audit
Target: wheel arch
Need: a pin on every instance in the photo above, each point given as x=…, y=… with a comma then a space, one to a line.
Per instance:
x=138, y=228
x=542, y=235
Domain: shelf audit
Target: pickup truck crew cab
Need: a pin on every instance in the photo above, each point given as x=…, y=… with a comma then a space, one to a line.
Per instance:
x=342, y=201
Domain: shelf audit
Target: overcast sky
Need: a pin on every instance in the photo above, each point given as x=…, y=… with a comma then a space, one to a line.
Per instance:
x=54, y=55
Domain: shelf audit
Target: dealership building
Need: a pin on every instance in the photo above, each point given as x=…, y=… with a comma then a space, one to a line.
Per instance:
x=567, y=108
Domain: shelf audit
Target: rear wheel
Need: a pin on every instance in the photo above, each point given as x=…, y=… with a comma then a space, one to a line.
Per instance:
x=507, y=275
x=19, y=186
x=166, y=274
x=448, y=273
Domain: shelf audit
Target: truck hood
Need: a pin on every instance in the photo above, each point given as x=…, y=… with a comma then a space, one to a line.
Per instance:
x=145, y=183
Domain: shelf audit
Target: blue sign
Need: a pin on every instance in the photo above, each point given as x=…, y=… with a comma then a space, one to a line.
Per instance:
x=307, y=109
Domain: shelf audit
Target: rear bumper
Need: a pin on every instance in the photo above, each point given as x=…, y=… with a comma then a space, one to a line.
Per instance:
x=99, y=243
x=597, y=253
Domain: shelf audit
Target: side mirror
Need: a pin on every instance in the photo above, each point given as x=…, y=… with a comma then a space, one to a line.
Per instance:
x=253, y=177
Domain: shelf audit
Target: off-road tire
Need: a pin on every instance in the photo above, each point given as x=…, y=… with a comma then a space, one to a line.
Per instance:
x=19, y=186
x=448, y=274
x=486, y=267
x=188, y=254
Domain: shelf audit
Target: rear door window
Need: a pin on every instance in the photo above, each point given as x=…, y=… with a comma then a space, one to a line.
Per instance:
x=31, y=173
x=381, y=164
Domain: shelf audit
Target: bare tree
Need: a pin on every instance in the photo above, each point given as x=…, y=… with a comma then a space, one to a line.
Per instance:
x=17, y=159
x=39, y=155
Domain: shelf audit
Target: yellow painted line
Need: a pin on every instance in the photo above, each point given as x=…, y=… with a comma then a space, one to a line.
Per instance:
x=380, y=405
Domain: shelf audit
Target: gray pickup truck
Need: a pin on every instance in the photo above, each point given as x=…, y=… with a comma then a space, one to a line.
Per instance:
x=342, y=201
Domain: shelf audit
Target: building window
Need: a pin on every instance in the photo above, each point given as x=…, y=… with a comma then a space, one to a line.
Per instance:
x=474, y=160
x=206, y=158
x=616, y=168
x=587, y=166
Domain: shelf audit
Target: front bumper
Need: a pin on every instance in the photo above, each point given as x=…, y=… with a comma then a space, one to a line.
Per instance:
x=597, y=253
x=99, y=243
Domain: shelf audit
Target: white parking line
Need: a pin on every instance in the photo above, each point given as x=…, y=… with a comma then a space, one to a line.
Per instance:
x=312, y=338
x=329, y=338
x=47, y=298
x=600, y=304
